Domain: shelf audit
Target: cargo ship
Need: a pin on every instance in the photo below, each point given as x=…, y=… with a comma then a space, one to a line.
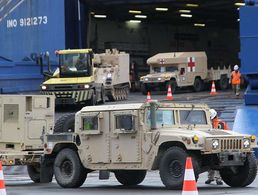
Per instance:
x=29, y=28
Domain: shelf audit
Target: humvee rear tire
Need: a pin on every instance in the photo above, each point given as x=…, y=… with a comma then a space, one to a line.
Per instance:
x=68, y=170
x=240, y=176
x=34, y=172
x=65, y=123
x=223, y=83
x=198, y=85
x=172, y=167
x=130, y=177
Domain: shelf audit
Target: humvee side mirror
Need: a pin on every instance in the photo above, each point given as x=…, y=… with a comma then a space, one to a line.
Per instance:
x=101, y=116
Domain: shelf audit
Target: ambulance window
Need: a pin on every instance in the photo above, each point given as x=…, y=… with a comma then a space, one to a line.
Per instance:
x=171, y=69
x=125, y=122
x=90, y=123
x=196, y=117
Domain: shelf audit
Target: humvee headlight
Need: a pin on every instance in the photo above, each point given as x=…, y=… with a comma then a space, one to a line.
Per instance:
x=159, y=79
x=253, y=138
x=109, y=75
x=146, y=79
x=43, y=87
x=86, y=86
x=246, y=143
x=195, y=139
x=215, y=144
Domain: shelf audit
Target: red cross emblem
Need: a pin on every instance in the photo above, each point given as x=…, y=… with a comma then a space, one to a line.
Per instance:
x=162, y=61
x=191, y=64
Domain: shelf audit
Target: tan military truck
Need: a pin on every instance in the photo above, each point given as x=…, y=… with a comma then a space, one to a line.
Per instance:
x=130, y=139
x=182, y=69
x=112, y=69
x=24, y=121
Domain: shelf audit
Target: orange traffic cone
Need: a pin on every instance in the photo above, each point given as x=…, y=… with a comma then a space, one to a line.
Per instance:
x=2, y=185
x=189, y=186
x=148, y=97
x=169, y=94
x=213, y=89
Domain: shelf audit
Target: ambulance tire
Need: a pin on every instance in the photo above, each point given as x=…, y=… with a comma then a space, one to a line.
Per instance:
x=198, y=85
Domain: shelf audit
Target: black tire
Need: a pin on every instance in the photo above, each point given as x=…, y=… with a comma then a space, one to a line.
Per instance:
x=172, y=167
x=173, y=85
x=34, y=172
x=241, y=176
x=198, y=85
x=223, y=83
x=65, y=123
x=144, y=89
x=130, y=177
x=69, y=172
x=102, y=96
x=93, y=99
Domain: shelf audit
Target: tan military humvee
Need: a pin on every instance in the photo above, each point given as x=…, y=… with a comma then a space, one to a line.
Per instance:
x=129, y=139
x=182, y=69
x=24, y=121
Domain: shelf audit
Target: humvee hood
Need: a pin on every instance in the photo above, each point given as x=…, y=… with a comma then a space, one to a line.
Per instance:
x=161, y=75
x=200, y=133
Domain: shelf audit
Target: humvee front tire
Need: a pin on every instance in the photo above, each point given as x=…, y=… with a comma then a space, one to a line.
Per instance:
x=68, y=170
x=144, y=89
x=130, y=177
x=172, y=167
x=198, y=85
x=34, y=172
x=240, y=176
x=65, y=123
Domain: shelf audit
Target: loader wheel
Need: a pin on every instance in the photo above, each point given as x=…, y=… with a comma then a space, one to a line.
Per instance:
x=172, y=167
x=34, y=172
x=223, y=83
x=102, y=96
x=240, y=176
x=65, y=123
x=130, y=177
x=198, y=85
x=69, y=172
x=93, y=99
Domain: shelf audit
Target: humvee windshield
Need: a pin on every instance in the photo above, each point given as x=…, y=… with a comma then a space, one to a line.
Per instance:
x=163, y=118
x=197, y=117
x=165, y=69
x=187, y=117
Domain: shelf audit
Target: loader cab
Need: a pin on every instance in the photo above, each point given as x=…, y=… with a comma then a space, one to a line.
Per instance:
x=75, y=64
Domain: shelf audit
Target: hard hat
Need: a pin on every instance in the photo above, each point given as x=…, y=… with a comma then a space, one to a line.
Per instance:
x=236, y=67
x=213, y=113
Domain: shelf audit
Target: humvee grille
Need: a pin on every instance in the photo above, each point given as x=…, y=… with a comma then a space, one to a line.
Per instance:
x=231, y=144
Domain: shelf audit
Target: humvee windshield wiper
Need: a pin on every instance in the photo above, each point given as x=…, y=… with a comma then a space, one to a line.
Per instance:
x=189, y=113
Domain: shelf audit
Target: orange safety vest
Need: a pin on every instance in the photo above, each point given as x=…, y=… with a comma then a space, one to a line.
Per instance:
x=218, y=124
x=236, y=77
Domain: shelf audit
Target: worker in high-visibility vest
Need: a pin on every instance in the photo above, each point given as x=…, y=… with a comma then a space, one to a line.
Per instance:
x=235, y=80
x=216, y=124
